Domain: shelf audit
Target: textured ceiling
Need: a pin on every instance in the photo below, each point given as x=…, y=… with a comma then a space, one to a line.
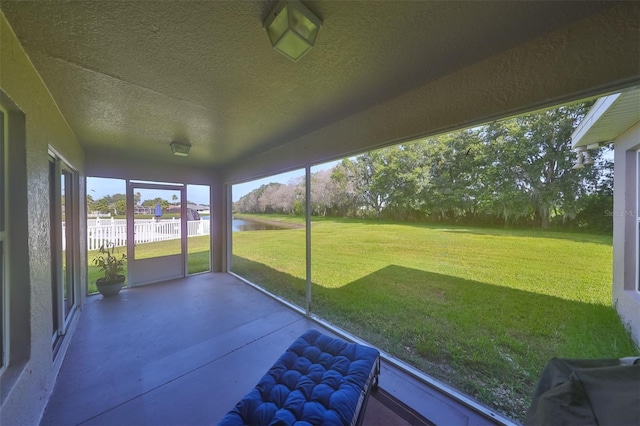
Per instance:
x=130, y=77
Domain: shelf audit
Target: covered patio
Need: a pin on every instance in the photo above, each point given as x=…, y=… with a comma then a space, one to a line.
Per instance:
x=108, y=89
x=185, y=351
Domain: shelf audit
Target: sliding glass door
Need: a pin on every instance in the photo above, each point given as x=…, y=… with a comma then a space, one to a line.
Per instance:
x=63, y=205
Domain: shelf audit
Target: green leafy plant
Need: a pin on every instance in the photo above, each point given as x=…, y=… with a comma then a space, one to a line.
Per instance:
x=107, y=261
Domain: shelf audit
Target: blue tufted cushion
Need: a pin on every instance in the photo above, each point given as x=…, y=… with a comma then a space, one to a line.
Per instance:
x=318, y=380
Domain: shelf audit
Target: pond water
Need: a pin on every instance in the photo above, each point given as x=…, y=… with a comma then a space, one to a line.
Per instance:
x=238, y=225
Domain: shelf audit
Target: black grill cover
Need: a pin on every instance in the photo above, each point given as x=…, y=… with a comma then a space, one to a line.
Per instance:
x=587, y=392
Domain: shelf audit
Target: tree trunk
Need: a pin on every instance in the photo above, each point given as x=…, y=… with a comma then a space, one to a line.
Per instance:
x=544, y=216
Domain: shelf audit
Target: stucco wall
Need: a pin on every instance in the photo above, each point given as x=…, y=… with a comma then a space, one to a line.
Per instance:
x=28, y=381
x=626, y=297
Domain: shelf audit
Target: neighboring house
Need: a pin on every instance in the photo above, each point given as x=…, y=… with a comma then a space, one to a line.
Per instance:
x=143, y=210
x=192, y=212
x=616, y=119
x=198, y=207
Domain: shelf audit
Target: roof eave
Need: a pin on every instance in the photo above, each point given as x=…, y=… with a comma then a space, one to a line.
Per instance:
x=608, y=118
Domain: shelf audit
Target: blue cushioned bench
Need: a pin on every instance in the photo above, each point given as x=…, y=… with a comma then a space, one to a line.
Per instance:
x=318, y=380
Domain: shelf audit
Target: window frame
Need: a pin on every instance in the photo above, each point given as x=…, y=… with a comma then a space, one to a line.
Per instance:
x=63, y=277
x=69, y=240
x=4, y=237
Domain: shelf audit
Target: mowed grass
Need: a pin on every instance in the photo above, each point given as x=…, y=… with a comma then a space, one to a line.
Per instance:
x=480, y=309
x=197, y=248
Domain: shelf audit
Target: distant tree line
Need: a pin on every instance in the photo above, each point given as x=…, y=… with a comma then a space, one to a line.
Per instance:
x=116, y=204
x=516, y=172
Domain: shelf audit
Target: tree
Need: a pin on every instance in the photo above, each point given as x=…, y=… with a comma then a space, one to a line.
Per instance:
x=506, y=193
x=152, y=203
x=274, y=200
x=120, y=207
x=110, y=199
x=456, y=165
x=323, y=192
x=271, y=198
x=512, y=172
x=369, y=190
x=248, y=203
x=346, y=198
x=284, y=198
x=102, y=206
x=90, y=204
x=596, y=209
x=541, y=162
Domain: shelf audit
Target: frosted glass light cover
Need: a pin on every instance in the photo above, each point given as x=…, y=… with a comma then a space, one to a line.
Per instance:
x=292, y=45
x=303, y=26
x=292, y=29
x=278, y=26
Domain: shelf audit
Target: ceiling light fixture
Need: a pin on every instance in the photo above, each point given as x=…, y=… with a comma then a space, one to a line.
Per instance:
x=180, y=149
x=579, y=164
x=292, y=29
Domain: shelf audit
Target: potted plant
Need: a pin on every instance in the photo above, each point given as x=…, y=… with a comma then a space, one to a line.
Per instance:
x=112, y=267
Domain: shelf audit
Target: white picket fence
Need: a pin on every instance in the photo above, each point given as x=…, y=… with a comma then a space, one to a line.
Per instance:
x=100, y=231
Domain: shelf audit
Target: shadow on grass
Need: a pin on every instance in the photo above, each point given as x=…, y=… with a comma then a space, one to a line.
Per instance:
x=489, y=341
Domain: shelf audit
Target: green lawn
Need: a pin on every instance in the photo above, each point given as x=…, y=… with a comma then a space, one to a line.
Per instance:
x=481, y=309
x=198, y=259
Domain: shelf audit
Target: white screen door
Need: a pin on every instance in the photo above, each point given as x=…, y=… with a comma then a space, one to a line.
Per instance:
x=156, y=232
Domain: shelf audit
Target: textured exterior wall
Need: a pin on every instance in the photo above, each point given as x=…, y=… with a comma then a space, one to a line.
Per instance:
x=28, y=381
x=626, y=297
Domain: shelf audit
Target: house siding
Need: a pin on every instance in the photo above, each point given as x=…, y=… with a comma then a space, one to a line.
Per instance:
x=626, y=297
x=30, y=376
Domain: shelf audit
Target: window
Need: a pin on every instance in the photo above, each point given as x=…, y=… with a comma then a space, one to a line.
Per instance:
x=401, y=258
x=198, y=229
x=63, y=191
x=638, y=220
x=105, y=199
x=4, y=343
x=264, y=252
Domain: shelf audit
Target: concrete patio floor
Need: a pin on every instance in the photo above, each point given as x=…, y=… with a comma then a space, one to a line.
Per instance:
x=183, y=352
